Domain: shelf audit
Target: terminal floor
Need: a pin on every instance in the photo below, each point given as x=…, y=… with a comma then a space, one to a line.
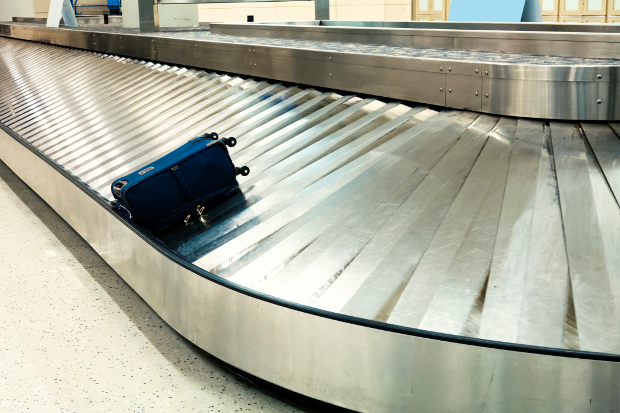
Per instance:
x=75, y=338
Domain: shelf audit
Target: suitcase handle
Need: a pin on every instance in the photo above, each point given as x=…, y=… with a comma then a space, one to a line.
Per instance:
x=211, y=136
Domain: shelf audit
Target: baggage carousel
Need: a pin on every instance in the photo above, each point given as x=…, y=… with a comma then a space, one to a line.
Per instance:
x=383, y=255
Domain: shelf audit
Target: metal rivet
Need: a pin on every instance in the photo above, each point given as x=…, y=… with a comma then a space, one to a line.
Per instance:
x=441, y=89
x=476, y=93
x=599, y=101
x=486, y=95
x=476, y=70
x=449, y=69
x=330, y=75
x=599, y=76
x=449, y=90
x=440, y=69
x=486, y=72
x=330, y=58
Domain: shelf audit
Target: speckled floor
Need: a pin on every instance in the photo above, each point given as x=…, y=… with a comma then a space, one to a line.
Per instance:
x=75, y=338
x=202, y=33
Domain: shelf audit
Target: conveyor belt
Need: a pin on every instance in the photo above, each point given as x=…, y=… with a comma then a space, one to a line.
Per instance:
x=449, y=221
x=445, y=221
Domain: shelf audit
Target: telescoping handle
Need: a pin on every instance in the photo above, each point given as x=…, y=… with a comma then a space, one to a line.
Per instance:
x=230, y=142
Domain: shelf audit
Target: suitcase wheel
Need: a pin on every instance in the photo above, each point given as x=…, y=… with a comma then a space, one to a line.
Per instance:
x=243, y=171
x=214, y=136
x=230, y=142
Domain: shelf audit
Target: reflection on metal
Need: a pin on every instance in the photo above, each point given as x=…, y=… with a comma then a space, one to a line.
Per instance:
x=473, y=225
x=321, y=9
x=531, y=39
x=441, y=25
x=576, y=91
x=495, y=11
x=83, y=20
x=61, y=9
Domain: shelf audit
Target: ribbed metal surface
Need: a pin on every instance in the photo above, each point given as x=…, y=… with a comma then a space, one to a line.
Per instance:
x=456, y=222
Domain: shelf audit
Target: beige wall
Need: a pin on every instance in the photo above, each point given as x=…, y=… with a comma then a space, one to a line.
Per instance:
x=304, y=10
x=16, y=8
x=262, y=11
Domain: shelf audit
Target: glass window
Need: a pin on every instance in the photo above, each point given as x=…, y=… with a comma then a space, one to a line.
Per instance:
x=438, y=5
x=616, y=5
x=549, y=5
x=571, y=5
x=595, y=4
x=423, y=4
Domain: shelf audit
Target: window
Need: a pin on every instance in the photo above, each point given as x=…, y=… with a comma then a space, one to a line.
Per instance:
x=571, y=5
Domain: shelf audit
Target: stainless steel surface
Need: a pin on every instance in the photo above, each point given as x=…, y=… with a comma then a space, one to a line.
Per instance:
x=541, y=39
x=491, y=26
x=455, y=222
x=83, y=20
x=526, y=90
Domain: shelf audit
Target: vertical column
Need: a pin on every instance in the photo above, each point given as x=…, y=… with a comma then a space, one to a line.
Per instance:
x=321, y=10
x=139, y=14
x=58, y=9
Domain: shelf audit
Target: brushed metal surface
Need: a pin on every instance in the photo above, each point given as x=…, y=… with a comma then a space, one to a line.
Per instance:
x=369, y=210
x=362, y=368
x=573, y=92
x=543, y=39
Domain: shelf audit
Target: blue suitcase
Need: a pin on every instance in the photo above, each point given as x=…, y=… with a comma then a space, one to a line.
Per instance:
x=180, y=184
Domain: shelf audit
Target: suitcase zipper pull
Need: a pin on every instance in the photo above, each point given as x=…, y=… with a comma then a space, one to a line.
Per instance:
x=199, y=210
x=186, y=220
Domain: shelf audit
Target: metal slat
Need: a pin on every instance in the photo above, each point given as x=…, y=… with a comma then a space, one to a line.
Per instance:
x=385, y=263
x=108, y=136
x=527, y=294
x=127, y=102
x=364, y=190
x=372, y=209
x=605, y=142
x=128, y=115
x=291, y=208
x=444, y=288
x=591, y=219
x=310, y=274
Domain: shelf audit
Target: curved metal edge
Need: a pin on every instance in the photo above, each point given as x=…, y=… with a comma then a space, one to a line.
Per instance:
x=342, y=363
x=545, y=38
x=448, y=25
x=534, y=91
x=180, y=260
